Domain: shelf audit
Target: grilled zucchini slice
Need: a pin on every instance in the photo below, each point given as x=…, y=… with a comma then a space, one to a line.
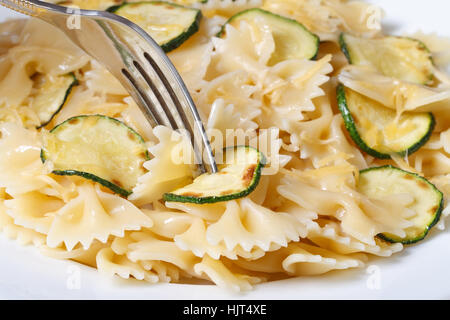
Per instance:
x=168, y=24
x=236, y=178
x=50, y=94
x=428, y=200
x=98, y=148
x=376, y=129
x=403, y=58
x=292, y=39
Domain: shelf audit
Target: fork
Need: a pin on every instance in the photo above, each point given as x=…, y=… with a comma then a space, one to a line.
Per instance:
x=137, y=61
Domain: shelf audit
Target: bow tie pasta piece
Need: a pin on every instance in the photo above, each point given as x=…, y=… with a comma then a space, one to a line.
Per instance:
x=48, y=48
x=147, y=246
x=133, y=116
x=305, y=77
x=23, y=235
x=192, y=63
x=34, y=210
x=250, y=226
x=331, y=237
x=260, y=194
x=21, y=168
x=360, y=217
x=195, y=240
x=113, y=261
x=225, y=118
x=79, y=254
x=100, y=80
x=233, y=88
x=429, y=162
x=98, y=148
x=324, y=142
x=88, y=101
x=251, y=53
x=171, y=167
x=298, y=83
x=312, y=135
x=301, y=259
x=210, y=212
x=112, y=264
x=217, y=272
x=169, y=224
x=166, y=272
x=392, y=93
x=120, y=244
x=94, y=215
x=285, y=90
x=11, y=30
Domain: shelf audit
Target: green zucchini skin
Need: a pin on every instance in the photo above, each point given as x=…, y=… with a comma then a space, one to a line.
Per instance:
x=113, y=9
x=177, y=41
x=262, y=11
x=66, y=97
x=352, y=130
x=213, y=199
x=344, y=47
x=90, y=176
x=437, y=215
x=115, y=188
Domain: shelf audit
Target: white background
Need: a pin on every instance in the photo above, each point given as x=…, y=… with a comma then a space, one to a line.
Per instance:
x=419, y=272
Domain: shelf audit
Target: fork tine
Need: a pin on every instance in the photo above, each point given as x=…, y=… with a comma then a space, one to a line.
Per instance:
x=175, y=113
x=149, y=113
x=176, y=102
x=175, y=116
x=196, y=122
x=158, y=95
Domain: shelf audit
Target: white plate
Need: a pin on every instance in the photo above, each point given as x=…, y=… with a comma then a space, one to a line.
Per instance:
x=419, y=272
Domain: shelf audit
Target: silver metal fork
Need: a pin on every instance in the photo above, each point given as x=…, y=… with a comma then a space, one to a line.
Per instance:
x=136, y=60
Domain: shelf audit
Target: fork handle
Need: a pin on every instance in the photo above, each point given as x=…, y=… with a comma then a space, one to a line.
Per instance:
x=22, y=6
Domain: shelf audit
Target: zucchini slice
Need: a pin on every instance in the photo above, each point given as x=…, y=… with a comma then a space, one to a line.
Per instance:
x=428, y=200
x=98, y=148
x=50, y=94
x=168, y=23
x=292, y=39
x=236, y=178
x=377, y=130
x=403, y=58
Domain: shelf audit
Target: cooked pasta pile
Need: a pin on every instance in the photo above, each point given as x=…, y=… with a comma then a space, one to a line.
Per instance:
x=306, y=216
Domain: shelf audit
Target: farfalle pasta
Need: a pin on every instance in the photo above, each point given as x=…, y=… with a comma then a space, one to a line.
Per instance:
x=313, y=208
